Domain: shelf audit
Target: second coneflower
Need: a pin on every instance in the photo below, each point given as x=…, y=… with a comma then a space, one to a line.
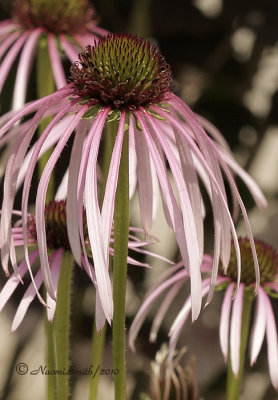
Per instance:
x=234, y=325
x=59, y=29
x=124, y=82
x=58, y=246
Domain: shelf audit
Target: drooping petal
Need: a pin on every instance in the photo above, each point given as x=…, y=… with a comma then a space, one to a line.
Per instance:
x=132, y=161
x=95, y=134
x=27, y=300
x=24, y=68
x=108, y=205
x=180, y=320
x=225, y=321
x=56, y=65
x=55, y=260
x=144, y=177
x=72, y=202
x=40, y=200
x=272, y=342
x=14, y=281
x=189, y=223
x=145, y=307
x=95, y=230
x=6, y=65
x=70, y=51
x=259, y=327
x=235, y=332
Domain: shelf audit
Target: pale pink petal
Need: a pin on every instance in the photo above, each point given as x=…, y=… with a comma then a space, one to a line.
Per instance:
x=163, y=308
x=40, y=200
x=259, y=327
x=189, y=223
x=7, y=42
x=144, y=177
x=6, y=65
x=166, y=189
x=27, y=300
x=191, y=180
x=55, y=260
x=61, y=193
x=132, y=158
x=95, y=131
x=14, y=281
x=235, y=332
x=24, y=68
x=145, y=307
x=56, y=65
x=224, y=209
x=108, y=204
x=247, y=179
x=95, y=227
x=72, y=203
x=272, y=342
x=50, y=139
x=180, y=320
x=225, y=321
x=70, y=51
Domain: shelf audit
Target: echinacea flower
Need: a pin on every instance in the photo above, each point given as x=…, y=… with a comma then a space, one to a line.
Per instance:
x=231, y=314
x=66, y=26
x=58, y=244
x=123, y=80
x=178, y=380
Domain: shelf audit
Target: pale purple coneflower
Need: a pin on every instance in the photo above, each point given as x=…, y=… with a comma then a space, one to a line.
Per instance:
x=57, y=244
x=124, y=80
x=65, y=25
x=174, y=279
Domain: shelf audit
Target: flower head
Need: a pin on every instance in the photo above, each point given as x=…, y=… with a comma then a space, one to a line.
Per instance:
x=123, y=71
x=58, y=244
x=123, y=82
x=230, y=322
x=67, y=16
x=63, y=27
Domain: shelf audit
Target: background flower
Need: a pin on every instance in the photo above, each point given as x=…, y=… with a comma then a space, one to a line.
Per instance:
x=57, y=244
x=64, y=27
x=230, y=322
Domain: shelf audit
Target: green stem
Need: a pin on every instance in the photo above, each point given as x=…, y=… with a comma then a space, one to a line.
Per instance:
x=45, y=86
x=96, y=357
x=62, y=325
x=234, y=384
x=51, y=360
x=121, y=230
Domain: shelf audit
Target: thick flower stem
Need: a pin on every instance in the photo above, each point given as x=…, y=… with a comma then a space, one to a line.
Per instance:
x=234, y=384
x=45, y=86
x=121, y=229
x=62, y=325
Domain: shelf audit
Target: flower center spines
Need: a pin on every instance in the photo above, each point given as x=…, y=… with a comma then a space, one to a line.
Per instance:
x=122, y=71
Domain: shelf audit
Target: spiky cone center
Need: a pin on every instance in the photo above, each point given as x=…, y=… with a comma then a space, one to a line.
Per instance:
x=56, y=16
x=267, y=258
x=56, y=226
x=122, y=71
